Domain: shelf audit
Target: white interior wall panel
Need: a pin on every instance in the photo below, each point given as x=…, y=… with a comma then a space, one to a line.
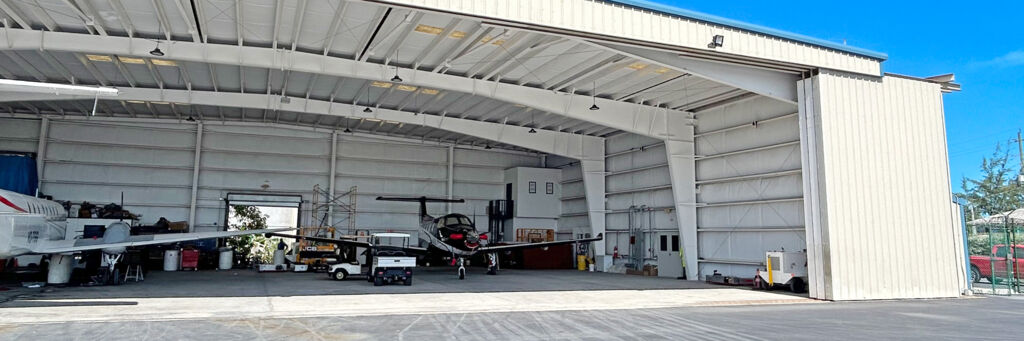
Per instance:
x=97, y=161
x=750, y=188
x=880, y=218
x=574, y=204
x=153, y=164
x=19, y=135
x=637, y=176
x=237, y=159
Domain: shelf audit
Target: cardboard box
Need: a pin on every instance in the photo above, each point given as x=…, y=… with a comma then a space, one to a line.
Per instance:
x=178, y=226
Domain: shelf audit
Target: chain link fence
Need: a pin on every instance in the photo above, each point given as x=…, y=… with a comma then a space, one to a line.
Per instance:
x=997, y=256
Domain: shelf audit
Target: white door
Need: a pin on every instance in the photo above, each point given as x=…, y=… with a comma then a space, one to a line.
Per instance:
x=666, y=249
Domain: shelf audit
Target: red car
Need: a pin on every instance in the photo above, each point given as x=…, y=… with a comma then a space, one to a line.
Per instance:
x=982, y=266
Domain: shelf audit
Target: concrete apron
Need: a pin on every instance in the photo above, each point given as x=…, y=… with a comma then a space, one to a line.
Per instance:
x=155, y=309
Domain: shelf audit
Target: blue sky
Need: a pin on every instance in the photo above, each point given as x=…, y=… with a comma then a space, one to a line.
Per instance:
x=982, y=42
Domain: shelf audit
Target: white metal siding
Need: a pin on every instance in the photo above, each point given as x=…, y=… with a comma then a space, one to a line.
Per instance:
x=19, y=135
x=882, y=222
x=615, y=20
x=748, y=155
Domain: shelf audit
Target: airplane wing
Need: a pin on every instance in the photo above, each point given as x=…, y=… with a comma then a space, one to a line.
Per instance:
x=356, y=243
x=63, y=246
x=511, y=247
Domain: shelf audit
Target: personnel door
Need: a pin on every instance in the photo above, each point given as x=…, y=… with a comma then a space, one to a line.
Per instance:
x=667, y=252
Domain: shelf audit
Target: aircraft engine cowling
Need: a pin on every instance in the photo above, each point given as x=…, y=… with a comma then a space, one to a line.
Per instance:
x=117, y=232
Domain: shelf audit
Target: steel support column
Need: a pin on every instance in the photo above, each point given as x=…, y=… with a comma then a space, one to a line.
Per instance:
x=331, y=175
x=451, y=175
x=44, y=131
x=682, y=171
x=594, y=190
x=195, y=177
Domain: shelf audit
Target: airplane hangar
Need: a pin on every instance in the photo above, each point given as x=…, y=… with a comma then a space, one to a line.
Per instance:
x=692, y=144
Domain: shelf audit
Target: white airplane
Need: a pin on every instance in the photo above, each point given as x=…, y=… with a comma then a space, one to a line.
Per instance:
x=34, y=226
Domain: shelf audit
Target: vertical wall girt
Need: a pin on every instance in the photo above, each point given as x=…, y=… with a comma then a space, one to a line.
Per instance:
x=195, y=178
x=682, y=171
x=44, y=128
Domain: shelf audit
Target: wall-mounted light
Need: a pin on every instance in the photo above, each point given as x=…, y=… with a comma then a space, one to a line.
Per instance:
x=717, y=41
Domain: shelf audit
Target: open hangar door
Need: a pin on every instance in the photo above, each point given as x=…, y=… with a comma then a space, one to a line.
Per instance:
x=654, y=126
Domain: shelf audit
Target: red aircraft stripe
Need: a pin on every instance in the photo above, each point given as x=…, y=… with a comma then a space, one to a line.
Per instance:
x=11, y=204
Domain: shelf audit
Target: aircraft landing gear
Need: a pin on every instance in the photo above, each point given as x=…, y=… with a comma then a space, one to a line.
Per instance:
x=462, y=268
x=492, y=263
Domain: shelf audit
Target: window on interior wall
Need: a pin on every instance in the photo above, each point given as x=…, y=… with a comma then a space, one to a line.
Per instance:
x=675, y=243
x=533, y=187
x=549, y=188
x=664, y=243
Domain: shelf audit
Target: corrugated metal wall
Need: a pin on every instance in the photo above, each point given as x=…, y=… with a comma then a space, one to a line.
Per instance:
x=748, y=175
x=153, y=164
x=879, y=214
x=615, y=20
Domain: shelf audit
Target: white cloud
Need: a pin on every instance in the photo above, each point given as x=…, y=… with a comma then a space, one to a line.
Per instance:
x=1015, y=58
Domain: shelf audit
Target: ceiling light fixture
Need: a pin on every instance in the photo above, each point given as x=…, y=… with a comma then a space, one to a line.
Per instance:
x=533, y=124
x=348, y=130
x=593, y=98
x=717, y=41
x=487, y=146
x=367, y=110
x=190, y=119
x=396, y=78
x=156, y=51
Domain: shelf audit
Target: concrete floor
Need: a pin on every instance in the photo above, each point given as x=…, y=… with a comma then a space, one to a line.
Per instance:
x=551, y=304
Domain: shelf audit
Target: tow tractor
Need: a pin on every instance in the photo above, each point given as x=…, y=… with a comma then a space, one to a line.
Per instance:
x=788, y=269
x=388, y=264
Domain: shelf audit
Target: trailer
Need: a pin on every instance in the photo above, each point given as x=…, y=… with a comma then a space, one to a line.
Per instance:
x=783, y=269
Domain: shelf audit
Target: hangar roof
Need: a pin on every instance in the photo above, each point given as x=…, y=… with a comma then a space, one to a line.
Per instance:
x=105, y=42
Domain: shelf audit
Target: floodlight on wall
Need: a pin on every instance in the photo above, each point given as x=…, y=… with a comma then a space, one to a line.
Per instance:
x=717, y=41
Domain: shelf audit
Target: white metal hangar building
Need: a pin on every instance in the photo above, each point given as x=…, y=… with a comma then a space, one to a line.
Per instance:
x=722, y=138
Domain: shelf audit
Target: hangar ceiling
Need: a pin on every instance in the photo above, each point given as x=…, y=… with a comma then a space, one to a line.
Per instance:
x=402, y=41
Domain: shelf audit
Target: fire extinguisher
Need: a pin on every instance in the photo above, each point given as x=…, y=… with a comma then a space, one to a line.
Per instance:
x=615, y=252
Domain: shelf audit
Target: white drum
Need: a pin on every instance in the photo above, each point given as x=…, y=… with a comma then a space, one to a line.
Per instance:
x=278, y=257
x=172, y=260
x=60, y=269
x=227, y=259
